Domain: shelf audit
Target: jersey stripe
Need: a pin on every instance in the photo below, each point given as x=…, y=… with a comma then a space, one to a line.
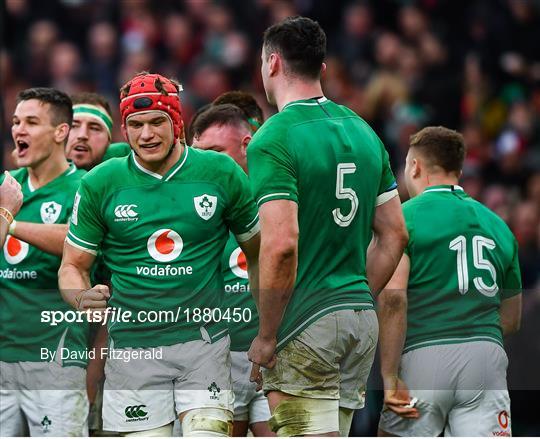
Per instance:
x=277, y=195
x=386, y=196
x=73, y=244
x=76, y=238
x=246, y=236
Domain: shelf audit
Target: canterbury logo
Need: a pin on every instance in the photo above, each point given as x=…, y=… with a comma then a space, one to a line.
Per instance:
x=125, y=212
x=135, y=411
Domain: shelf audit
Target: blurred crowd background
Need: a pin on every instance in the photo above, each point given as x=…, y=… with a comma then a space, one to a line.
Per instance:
x=471, y=65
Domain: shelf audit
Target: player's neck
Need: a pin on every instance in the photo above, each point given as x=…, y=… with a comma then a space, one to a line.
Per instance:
x=46, y=171
x=440, y=180
x=163, y=167
x=297, y=90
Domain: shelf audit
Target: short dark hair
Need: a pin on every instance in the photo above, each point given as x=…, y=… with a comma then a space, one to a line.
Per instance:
x=441, y=147
x=60, y=103
x=301, y=42
x=193, y=122
x=92, y=99
x=244, y=101
x=224, y=114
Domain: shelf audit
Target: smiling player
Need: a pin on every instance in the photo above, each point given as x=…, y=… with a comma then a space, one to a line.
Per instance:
x=161, y=217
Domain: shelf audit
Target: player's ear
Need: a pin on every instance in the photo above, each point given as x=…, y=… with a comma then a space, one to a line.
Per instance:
x=323, y=69
x=416, y=168
x=61, y=133
x=274, y=64
x=244, y=144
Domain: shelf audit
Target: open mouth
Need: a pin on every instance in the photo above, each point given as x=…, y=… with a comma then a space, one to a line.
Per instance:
x=22, y=147
x=81, y=148
x=150, y=145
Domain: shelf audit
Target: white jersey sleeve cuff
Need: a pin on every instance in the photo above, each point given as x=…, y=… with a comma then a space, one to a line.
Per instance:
x=246, y=236
x=80, y=247
x=386, y=196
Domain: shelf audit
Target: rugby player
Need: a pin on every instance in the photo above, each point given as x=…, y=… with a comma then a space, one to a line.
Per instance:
x=454, y=295
x=40, y=394
x=323, y=183
x=90, y=133
x=161, y=217
x=225, y=128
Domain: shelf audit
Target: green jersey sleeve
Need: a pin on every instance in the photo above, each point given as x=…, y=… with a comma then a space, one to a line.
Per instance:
x=408, y=215
x=388, y=186
x=272, y=171
x=241, y=215
x=512, y=277
x=86, y=228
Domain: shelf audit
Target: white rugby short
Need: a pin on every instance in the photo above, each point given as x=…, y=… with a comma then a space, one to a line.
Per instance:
x=142, y=394
x=461, y=390
x=42, y=399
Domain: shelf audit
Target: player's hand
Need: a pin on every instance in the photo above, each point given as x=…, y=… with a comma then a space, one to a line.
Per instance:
x=94, y=299
x=261, y=353
x=11, y=197
x=398, y=399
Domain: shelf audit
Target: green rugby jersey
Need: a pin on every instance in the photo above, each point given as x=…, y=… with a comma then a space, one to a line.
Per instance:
x=330, y=162
x=244, y=319
x=120, y=149
x=163, y=238
x=464, y=261
x=29, y=278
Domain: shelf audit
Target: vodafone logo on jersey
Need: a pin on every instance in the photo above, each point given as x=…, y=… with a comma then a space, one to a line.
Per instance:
x=165, y=245
x=15, y=250
x=238, y=263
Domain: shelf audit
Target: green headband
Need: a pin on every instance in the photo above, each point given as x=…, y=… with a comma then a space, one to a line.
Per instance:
x=254, y=124
x=95, y=112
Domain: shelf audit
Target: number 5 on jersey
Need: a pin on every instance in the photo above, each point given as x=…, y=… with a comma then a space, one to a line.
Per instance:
x=345, y=193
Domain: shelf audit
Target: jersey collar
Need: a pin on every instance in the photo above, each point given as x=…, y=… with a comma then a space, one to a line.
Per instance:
x=443, y=188
x=170, y=173
x=70, y=170
x=307, y=102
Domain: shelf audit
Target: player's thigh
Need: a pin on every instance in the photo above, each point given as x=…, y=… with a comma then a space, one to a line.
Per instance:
x=360, y=332
x=307, y=365
x=207, y=381
x=138, y=392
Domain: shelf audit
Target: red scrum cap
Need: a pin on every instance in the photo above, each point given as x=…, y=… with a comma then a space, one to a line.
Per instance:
x=151, y=92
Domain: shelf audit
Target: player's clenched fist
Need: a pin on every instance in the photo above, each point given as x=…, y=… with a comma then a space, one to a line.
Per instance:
x=94, y=299
x=10, y=194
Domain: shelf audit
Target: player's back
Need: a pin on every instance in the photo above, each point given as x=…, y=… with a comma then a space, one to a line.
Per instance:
x=334, y=166
x=463, y=263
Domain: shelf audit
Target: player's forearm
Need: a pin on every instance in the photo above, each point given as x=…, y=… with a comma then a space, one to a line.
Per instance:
x=253, y=276
x=277, y=277
x=392, y=315
x=46, y=237
x=383, y=256
x=71, y=281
